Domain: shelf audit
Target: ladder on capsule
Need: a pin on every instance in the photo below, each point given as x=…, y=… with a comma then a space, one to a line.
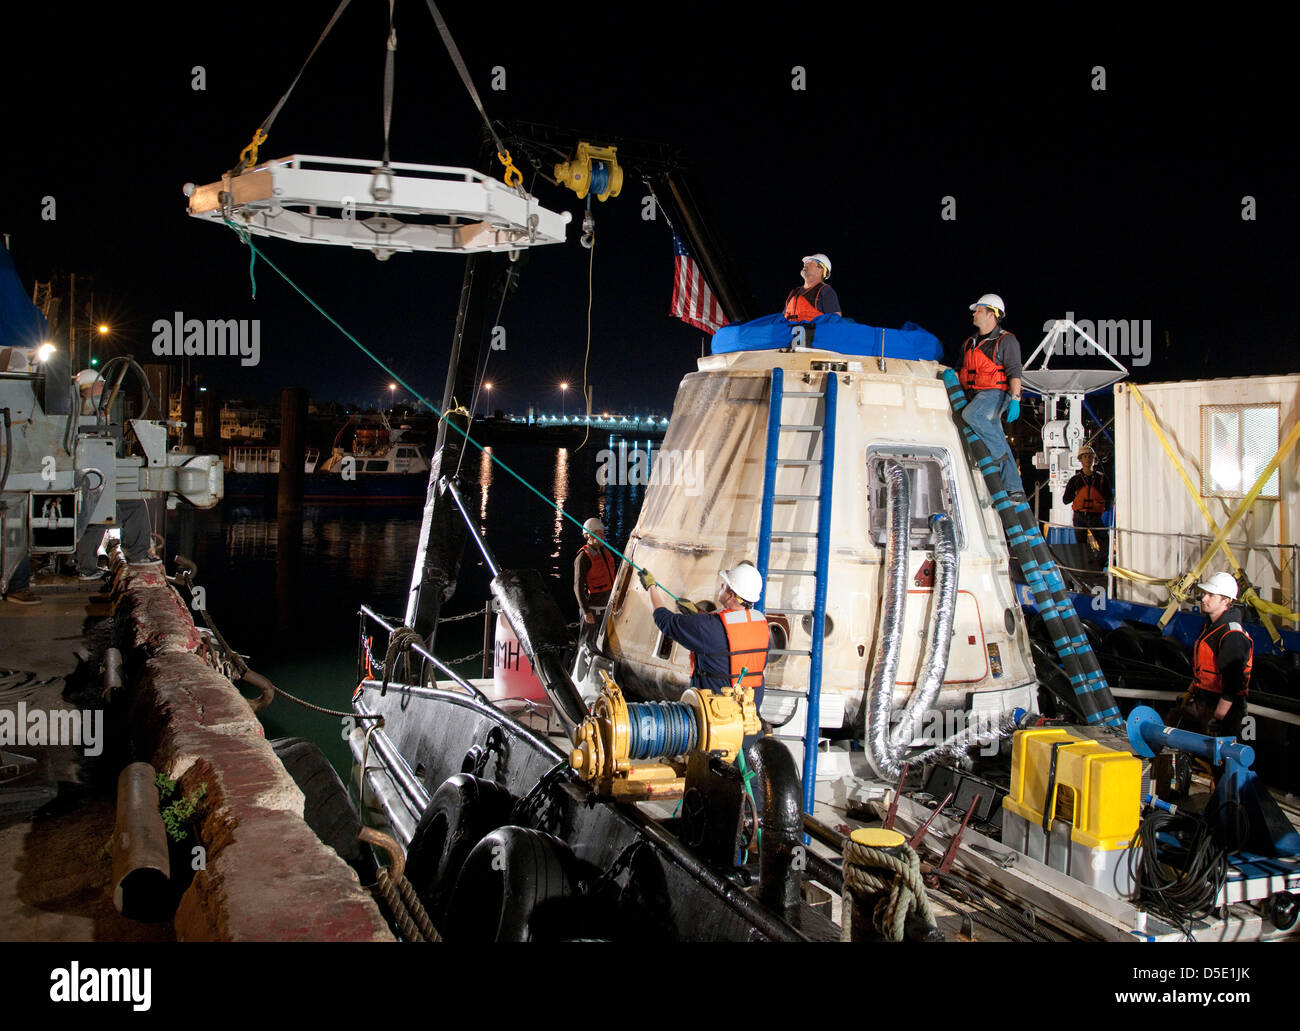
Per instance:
x=824, y=431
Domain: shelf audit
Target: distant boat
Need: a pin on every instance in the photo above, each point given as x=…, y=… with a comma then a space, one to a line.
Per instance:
x=377, y=470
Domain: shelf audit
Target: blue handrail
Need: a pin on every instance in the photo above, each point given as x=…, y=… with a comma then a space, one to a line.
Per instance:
x=812, y=730
x=769, y=481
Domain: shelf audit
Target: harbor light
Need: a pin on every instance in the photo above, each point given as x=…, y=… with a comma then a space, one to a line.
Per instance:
x=44, y=351
x=103, y=329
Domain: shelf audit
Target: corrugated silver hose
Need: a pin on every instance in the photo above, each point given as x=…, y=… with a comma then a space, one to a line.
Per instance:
x=983, y=732
x=939, y=638
x=884, y=673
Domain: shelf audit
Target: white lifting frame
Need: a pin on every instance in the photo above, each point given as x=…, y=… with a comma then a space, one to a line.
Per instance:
x=398, y=208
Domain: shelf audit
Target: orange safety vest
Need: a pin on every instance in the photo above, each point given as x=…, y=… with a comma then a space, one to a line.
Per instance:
x=1089, y=497
x=1205, y=666
x=747, y=640
x=801, y=307
x=600, y=570
x=980, y=369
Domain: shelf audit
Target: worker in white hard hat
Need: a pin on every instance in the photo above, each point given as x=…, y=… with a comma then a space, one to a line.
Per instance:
x=593, y=578
x=90, y=384
x=816, y=297
x=725, y=643
x=990, y=372
x=1089, y=495
x=1222, y=657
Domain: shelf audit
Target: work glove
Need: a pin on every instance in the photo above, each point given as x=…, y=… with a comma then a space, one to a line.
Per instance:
x=686, y=605
x=1013, y=410
x=647, y=579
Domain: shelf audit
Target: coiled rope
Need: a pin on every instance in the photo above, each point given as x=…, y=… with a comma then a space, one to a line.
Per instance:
x=399, y=644
x=871, y=872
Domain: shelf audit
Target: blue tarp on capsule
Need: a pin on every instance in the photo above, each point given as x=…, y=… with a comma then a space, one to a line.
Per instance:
x=830, y=333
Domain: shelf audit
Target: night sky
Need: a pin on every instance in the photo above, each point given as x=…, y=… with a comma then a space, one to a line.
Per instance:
x=1117, y=204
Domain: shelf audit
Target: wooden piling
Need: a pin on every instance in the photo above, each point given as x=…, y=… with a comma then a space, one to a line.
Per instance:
x=293, y=446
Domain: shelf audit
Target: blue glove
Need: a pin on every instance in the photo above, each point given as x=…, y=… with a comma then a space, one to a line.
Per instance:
x=1013, y=410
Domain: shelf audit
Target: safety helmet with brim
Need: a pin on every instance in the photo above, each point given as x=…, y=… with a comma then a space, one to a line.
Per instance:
x=1222, y=584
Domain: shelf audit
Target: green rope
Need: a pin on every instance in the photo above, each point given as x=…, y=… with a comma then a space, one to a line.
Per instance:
x=246, y=238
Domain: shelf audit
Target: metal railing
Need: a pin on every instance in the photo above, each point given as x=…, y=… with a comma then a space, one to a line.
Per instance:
x=1283, y=559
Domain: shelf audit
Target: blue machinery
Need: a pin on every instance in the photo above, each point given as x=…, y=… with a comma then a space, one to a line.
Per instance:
x=1239, y=795
x=826, y=430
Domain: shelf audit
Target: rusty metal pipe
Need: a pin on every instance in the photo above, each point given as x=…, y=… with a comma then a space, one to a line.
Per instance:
x=781, y=817
x=141, y=862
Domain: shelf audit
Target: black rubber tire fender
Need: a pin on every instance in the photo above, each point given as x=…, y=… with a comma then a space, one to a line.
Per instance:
x=1123, y=642
x=1095, y=632
x=462, y=811
x=1171, y=654
x=1271, y=675
x=513, y=887
x=328, y=808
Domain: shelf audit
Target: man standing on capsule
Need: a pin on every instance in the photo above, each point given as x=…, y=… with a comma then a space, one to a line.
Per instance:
x=990, y=372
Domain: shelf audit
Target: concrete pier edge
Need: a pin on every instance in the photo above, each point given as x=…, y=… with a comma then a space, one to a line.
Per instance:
x=267, y=877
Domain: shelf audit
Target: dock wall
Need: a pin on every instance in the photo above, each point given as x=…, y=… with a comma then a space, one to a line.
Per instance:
x=267, y=876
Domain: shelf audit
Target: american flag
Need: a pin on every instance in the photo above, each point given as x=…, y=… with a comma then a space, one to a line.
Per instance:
x=693, y=301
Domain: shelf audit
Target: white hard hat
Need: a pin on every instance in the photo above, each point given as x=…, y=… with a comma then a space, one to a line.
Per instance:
x=991, y=301
x=745, y=581
x=594, y=527
x=822, y=260
x=86, y=378
x=1220, y=583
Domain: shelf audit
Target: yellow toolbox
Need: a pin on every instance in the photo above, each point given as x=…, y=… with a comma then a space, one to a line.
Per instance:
x=1073, y=804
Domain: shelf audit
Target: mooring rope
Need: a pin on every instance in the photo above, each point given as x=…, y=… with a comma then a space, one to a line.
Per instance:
x=871, y=872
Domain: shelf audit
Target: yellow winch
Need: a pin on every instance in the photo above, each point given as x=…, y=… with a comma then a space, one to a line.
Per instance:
x=592, y=169
x=632, y=750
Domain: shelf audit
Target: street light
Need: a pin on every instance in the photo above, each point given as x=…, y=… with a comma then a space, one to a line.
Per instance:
x=392, y=394
x=564, y=396
x=103, y=332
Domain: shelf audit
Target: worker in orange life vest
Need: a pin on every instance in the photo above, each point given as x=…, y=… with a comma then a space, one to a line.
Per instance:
x=1088, y=494
x=722, y=643
x=815, y=297
x=990, y=372
x=1222, y=657
x=593, y=578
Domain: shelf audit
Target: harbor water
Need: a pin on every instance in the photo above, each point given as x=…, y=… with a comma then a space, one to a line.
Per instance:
x=289, y=602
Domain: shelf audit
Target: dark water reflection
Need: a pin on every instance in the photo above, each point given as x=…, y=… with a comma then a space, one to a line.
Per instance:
x=289, y=600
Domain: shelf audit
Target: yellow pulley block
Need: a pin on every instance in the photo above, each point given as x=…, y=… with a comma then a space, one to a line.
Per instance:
x=580, y=177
